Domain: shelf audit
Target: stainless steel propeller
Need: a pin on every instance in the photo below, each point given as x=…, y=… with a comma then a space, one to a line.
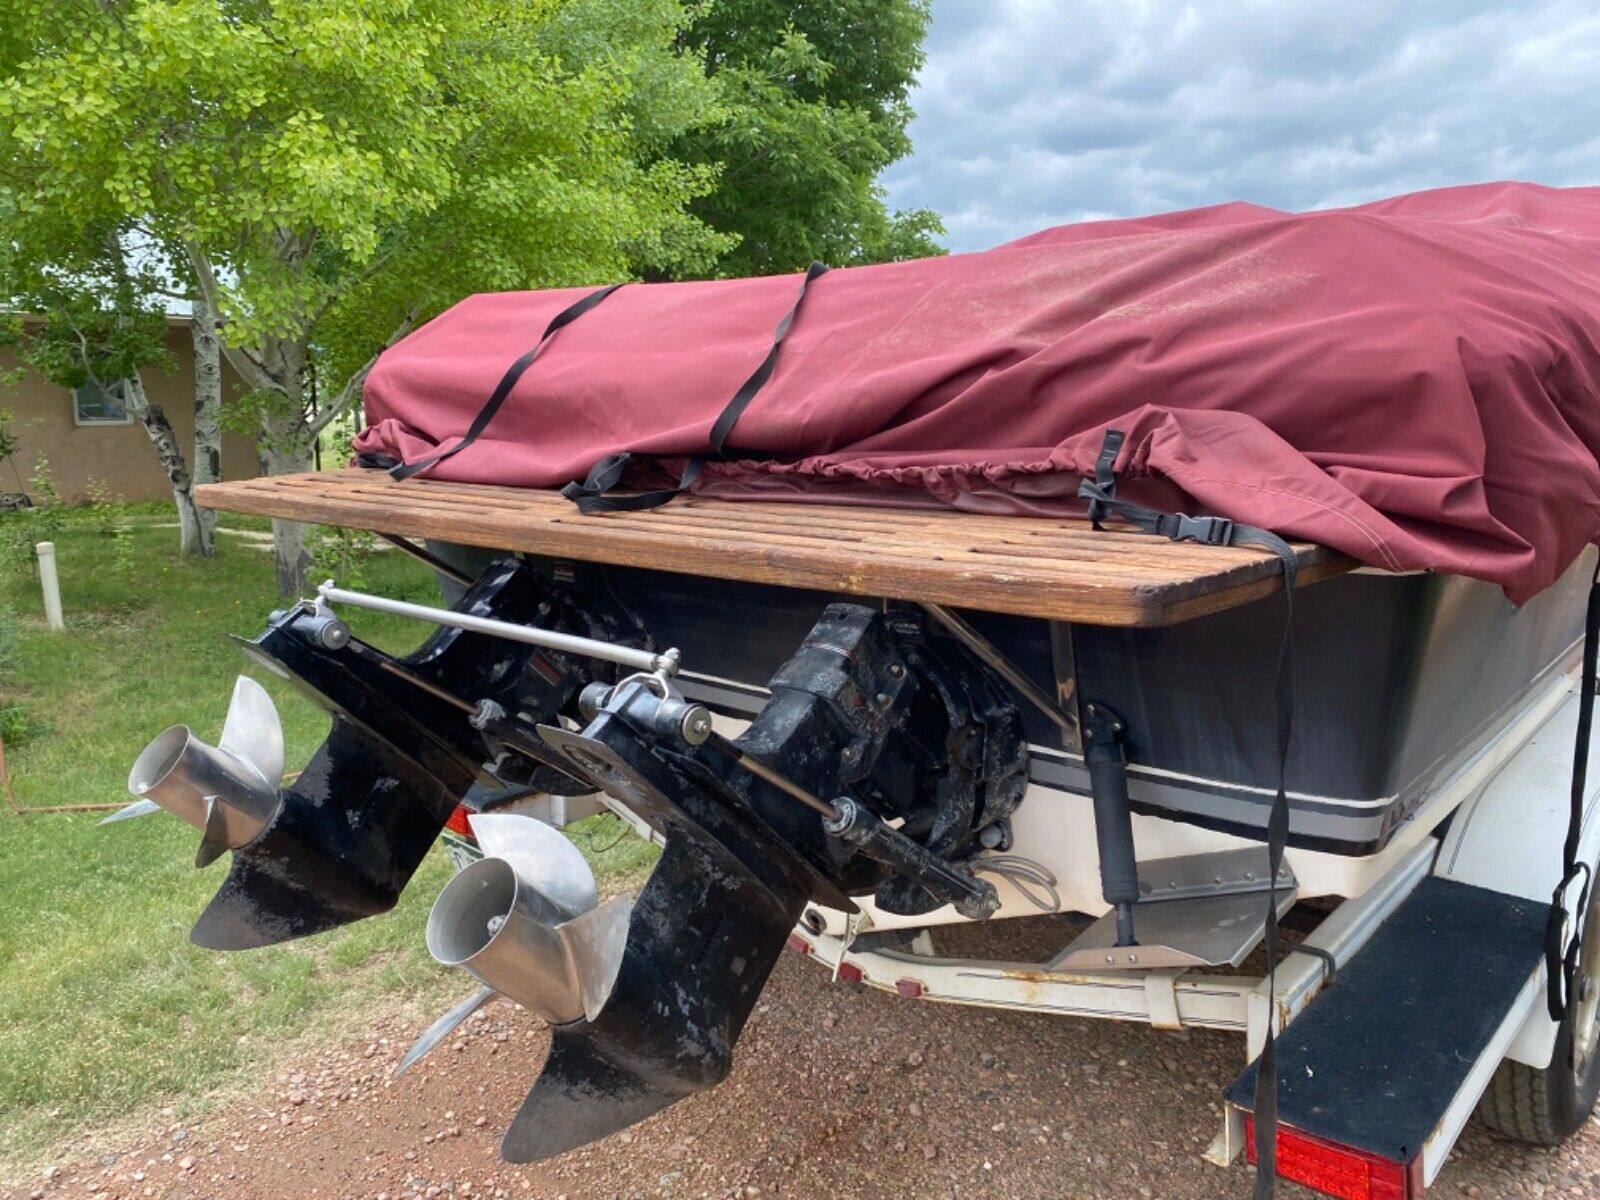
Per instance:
x=525, y=920
x=228, y=791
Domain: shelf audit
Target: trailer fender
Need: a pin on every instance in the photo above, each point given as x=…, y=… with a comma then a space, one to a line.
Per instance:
x=1508, y=838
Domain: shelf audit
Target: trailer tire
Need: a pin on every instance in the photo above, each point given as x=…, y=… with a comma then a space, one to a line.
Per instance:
x=1545, y=1107
x=1541, y=1107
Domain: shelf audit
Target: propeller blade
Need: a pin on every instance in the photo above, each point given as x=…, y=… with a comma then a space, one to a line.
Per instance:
x=543, y=857
x=224, y=790
x=441, y=1029
x=214, y=840
x=596, y=942
x=139, y=808
x=252, y=730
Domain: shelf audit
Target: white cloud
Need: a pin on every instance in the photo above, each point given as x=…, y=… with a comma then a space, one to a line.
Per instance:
x=1036, y=112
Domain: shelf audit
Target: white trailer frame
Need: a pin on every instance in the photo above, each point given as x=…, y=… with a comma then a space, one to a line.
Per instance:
x=1510, y=804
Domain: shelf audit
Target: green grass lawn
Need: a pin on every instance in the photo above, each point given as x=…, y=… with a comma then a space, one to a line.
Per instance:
x=105, y=1007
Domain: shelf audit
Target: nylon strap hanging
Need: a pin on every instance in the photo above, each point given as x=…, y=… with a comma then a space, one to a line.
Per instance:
x=590, y=495
x=1101, y=493
x=507, y=381
x=1561, y=954
x=758, y=378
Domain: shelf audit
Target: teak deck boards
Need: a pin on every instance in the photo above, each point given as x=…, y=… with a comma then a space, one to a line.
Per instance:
x=1057, y=569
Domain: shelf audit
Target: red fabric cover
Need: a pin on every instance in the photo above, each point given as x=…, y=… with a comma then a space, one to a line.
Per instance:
x=1415, y=382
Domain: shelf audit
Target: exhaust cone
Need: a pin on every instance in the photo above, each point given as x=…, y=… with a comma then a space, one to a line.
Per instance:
x=228, y=791
x=524, y=921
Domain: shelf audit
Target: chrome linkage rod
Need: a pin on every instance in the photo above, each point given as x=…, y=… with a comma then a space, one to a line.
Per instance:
x=664, y=664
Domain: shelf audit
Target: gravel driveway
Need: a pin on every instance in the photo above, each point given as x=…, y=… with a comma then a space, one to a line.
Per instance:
x=838, y=1092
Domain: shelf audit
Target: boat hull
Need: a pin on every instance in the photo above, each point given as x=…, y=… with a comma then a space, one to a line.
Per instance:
x=1400, y=681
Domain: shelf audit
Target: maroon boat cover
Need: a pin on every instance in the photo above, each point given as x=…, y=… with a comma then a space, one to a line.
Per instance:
x=1415, y=382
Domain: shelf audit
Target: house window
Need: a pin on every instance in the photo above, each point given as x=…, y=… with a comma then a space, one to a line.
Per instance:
x=96, y=405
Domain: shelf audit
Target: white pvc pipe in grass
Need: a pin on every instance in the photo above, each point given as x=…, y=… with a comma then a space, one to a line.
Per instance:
x=51, y=586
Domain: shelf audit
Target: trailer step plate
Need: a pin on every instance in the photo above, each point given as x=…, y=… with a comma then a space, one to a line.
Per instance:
x=1378, y=1059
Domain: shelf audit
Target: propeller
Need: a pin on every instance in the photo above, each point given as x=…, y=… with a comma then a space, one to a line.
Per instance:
x=525, y=920
x=228, y=791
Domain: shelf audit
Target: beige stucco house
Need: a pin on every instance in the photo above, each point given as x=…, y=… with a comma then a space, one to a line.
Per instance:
x=88, y=436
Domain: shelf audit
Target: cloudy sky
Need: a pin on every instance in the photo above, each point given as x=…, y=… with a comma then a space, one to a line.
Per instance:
x=1035, y=112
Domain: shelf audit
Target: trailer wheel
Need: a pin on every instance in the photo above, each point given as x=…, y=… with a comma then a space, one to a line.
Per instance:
x=1546, y=1107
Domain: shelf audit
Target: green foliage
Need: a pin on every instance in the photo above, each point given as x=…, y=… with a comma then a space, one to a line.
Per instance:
x=342, y=168
x=816, y=97
x=8, y=641
x=101, y=319
x=10, y=440
x=22, y=529
x=107, y=519
x=17, y=723
x=14, y=724
x=341, y=554
x=45, y=493
x=16, y=546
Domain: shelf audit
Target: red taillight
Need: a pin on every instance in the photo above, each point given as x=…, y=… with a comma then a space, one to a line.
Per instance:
x=456, y=822
x=1337, y=1170
x=798, y=944
x=851, y=973
x=908, y=987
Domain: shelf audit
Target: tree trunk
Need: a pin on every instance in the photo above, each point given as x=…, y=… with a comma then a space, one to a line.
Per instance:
x=170, y=455
x=289, y=537
x=286, y=446
x=207, y=414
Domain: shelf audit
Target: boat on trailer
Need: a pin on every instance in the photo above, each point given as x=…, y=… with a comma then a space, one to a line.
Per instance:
x=1325, y=786
x=1433, y=732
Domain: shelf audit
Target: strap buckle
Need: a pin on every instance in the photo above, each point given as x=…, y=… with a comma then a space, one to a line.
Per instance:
x=1100, y=500
x=1561, y=951
x=1208, y=531
x=1101, y=491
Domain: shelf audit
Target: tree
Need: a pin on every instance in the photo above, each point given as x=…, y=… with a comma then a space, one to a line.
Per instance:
x=207, y=410
x=101, y=322
x=9, y=444
x=332, y=172
x=817, y=102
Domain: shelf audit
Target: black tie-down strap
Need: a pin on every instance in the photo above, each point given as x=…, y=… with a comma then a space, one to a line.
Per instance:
x=502, y=390
x=591, y=495
x=1101, y=493
x=1563, y=941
